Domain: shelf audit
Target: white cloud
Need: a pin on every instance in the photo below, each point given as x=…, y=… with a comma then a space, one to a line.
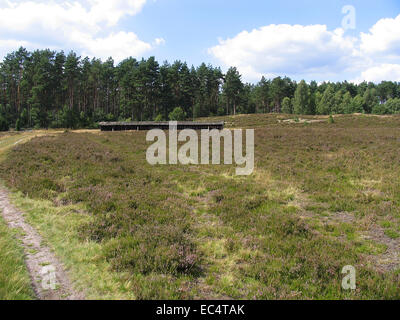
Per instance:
x=116, y=45
x=8, y=46
x=279, y=49
x=380, y=73
x=12, y=44
x=313, y=52
x=90, y=26
x=159, y=41
x=383, y=38
x=17, y=15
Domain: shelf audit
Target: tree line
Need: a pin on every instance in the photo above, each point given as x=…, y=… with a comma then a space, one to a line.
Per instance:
x=49, y=89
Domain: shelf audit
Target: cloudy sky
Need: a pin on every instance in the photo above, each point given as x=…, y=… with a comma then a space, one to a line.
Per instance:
x=303, y=39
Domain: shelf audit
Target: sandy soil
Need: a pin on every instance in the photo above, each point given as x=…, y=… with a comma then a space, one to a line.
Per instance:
x=38, y=256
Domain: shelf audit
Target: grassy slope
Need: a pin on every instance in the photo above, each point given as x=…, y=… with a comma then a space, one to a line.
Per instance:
x=15, y=283
x=318, y=191
x=14, y=277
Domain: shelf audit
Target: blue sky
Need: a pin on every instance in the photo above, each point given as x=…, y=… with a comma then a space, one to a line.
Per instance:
x=303, y=39
x=193, y=26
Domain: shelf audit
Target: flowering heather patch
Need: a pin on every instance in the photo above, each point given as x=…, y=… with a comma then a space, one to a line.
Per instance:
x=143, y=223
x=323, y=195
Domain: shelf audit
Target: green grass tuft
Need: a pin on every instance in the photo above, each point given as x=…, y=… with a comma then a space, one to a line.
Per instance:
x=15, y=283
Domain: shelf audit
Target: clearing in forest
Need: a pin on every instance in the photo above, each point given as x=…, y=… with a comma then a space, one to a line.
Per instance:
x=323, y=195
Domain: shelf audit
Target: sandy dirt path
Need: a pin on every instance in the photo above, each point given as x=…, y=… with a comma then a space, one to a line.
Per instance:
x=40, y=260
x=49, y=278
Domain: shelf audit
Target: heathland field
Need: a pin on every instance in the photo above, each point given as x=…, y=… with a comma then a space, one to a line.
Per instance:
x=325, y=193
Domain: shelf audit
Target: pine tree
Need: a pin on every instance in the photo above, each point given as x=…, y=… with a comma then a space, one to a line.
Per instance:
x=301, y=101
x=72, y=72
x=338, y=103
x=327, y=101
x=286, y=106
x=233, y=88
x=357, y=105
x=346, y=103
x=370, y=100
